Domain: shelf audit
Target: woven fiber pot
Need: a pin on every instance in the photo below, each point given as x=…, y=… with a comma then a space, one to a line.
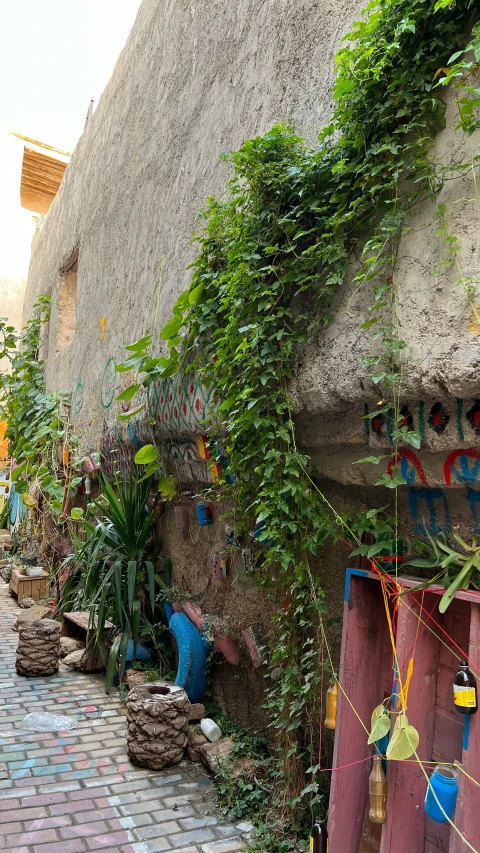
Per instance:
x=157, y=724
x=38, y=649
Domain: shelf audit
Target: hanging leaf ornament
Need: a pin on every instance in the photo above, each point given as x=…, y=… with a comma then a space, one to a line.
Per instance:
x=404, y=740
x=380, y=724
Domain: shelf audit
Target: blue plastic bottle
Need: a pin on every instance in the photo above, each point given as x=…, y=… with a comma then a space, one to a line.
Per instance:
x=444, y=781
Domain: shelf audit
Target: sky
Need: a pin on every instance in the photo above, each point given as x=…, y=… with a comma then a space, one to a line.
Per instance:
x=55, y=55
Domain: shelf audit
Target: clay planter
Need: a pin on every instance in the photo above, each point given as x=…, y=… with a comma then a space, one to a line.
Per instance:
x=226, y=645
x=38, y=649
x=157, y=724
x=194, y=613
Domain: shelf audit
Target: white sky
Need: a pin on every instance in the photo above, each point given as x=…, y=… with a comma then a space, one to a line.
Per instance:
x=55, y=55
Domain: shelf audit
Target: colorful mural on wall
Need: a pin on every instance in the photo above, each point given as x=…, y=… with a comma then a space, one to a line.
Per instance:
x=109, y=383
x=438, y=417
x=179, y=406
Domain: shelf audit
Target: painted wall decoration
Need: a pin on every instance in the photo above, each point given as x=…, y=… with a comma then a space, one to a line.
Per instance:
x=438, y=418
x=457, y=418
x=179, y=406
x=109, y=383
x=429, y=506
x=429, y=510
x=410, y=466
x=77, y=403
x=462, y=465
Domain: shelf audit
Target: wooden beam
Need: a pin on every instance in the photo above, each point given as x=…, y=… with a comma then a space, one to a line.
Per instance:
x=41, y=144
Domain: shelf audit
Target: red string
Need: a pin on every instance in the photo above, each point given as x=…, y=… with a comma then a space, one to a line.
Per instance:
x=464, y=654
x=344, y=766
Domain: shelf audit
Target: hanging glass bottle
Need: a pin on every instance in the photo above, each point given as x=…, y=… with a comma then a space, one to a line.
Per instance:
x=377, y=789
x=332, y=699
x=465, y=694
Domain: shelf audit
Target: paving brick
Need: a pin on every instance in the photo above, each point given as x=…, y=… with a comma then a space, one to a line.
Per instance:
x=47, y=823
x=44, y=800
x=230, y=846
x=194, y=837
x=13, y=849
x=198, y=822
x=27, y=814
x=5, y=805
x=99, y=814
x=160, y=830
x=78, y=793
x=11, y=828
x=81, y=795
x=39, y=836
x=74, y=845
x=96, y=842
x=81, y=830
x=73, y=808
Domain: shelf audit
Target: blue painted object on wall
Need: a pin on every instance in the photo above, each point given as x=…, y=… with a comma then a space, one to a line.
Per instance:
x=444, y=781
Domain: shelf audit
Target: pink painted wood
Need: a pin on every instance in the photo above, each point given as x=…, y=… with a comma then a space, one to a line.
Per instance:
x=405, y=827
x=359, y=678
x=467, y=813
x=365, y=674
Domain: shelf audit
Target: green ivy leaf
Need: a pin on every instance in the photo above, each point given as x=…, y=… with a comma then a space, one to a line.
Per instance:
x=146, y=455
x=380, y=724
x=167, y=486
x=404, y=740
x=195, y=295
x=76, y=512
x=129, y=392
x=171, y=328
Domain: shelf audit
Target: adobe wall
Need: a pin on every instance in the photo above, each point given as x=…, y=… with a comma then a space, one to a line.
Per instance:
x=196, y=79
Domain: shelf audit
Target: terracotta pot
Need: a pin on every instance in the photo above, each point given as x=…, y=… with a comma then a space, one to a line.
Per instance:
x=226, y=645
x=181, y=517
x=194, y=613
x=251, y=644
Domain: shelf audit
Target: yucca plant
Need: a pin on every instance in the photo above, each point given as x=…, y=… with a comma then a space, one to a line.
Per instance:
x=461, y=570
x=113, y=575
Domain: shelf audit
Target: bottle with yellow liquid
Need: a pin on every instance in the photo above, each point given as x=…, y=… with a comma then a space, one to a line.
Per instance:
x=318, y=838
x=332, y=698
x=377, y=789
x=465, y=695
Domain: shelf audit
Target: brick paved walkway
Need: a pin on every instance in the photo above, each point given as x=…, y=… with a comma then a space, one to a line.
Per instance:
x=76, y=792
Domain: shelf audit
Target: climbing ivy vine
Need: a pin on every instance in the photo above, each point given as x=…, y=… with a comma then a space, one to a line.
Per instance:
x=36, y=422
x=295, y=224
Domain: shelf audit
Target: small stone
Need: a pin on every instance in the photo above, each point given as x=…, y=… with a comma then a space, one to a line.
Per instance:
x=32, y=615
x=28, y=602
x=135, y=677
x=195, y=740
x=245, y=827
x=68, y=645
x=213, y=754
x=74, y=658
x=196, y=712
